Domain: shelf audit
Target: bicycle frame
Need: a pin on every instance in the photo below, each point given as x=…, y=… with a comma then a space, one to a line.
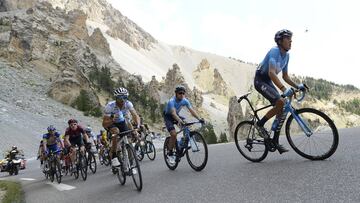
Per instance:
x=188, y=138
x=288, y=108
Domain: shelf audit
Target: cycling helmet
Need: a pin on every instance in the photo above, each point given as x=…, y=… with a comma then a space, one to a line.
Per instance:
x=14, y=147
x=72, y=121
x=88, y=129
x=180, y=88
x=121, y=93
x=51, y=128
x=281, y=34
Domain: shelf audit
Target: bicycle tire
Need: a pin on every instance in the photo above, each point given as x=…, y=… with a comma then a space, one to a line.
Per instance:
x=92, y=162
x=165, y=151
x=252, y=140
x=120, y=171
x=52, y=172
x=197, y=138
x=150, y=149
x=316, y=123
x=83, y=166
x=58, y=171
x=134, y=164
x=139, y=152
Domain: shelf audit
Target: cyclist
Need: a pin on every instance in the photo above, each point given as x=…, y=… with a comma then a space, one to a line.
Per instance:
x=74, y=135
x=91, y=137
x=114, y=119
x=275, y=61
x=40, y=153
x=51, y=140
x=102, y=143
x=171, y=116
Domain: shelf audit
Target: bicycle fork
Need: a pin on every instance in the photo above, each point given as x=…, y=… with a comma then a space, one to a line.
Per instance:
x=301, y=123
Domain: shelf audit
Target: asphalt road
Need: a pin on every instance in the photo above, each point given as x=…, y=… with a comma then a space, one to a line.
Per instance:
x=228, y=177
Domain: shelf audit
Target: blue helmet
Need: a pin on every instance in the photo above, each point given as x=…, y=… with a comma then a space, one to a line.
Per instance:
x=51, y=128
x=281, y=34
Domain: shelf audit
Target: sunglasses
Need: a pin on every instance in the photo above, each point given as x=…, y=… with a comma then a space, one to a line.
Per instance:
x=181, y=93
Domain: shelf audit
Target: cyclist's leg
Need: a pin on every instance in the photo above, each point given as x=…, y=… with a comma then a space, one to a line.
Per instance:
x=169, y=123
x=268, y=90
x=113, y=131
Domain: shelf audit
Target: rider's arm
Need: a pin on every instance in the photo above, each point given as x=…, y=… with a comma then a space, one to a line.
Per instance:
x=175, y=116
x=135, y=116
x=44, y=144
x=288, y=80
x=193, y=113
x=66, y=139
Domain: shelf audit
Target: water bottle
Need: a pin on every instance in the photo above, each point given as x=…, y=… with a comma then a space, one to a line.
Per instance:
x=275, y=124
x=180, y=141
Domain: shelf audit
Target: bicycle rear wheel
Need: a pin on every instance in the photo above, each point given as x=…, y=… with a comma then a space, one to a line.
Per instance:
x=150, y=150
x=92, y=162
x=249, y=143
x=197, y=154
x=323, y=140
x=166, y=151
x=134, y=167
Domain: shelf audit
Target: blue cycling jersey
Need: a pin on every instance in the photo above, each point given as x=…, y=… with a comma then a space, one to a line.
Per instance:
x=173, y=103
x=51, y=140
x=276, y=59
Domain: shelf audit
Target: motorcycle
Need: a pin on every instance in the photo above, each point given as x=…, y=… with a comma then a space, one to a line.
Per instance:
x=12, y=163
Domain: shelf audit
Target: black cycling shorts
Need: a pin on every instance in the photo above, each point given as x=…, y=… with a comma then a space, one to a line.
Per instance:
x=78, y=140
x=121, y=126
x=266, y=88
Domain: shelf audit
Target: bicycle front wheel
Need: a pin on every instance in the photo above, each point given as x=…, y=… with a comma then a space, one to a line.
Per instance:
x=134, y=167
x=150, y=150
x=249, y=142
x=83, y=166
x=197, y=153
x=58, y=171
x=92, y=162
x=321, y=139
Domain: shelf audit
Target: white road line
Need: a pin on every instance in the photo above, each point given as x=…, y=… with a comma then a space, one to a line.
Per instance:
x=29, y=179
x=61, y=186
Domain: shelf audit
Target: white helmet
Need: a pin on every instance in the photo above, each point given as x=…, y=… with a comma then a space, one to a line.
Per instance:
x=121, y=93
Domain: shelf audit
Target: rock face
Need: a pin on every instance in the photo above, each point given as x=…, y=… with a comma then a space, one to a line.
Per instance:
x=235, y=115
x=98, y=42
x=9, y=5
x=174, y=78
x=153, y=88
x=57, y=45
x=219, y=85
x=119, y=26
x=210, y=80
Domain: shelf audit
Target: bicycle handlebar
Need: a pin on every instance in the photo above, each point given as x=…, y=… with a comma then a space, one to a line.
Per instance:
x=303, y=93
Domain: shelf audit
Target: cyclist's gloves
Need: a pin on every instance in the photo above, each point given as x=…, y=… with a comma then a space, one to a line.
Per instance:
x=201, y=120
x=288, y=92
x=301, y=87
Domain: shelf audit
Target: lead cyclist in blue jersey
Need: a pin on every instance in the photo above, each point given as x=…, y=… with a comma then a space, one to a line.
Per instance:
x=275, y=61
x=171, y=116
